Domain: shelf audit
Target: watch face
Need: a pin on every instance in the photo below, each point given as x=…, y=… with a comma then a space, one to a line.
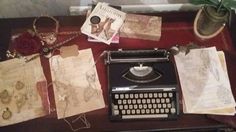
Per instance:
x=95, y=19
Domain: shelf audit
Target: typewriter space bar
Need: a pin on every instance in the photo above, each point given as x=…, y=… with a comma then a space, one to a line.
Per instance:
x=144, y=116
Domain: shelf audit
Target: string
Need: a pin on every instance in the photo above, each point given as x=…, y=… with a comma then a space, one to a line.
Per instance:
x=82, y=117
x=97, y=59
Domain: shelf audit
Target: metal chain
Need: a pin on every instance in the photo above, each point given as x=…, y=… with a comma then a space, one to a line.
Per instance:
x=48, y=50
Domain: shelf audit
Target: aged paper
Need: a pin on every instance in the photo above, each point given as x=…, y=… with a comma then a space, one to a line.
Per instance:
x=76, y=85
x=21, y=92
x=205, y=84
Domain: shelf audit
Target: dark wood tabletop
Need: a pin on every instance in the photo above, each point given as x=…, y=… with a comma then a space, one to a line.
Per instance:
x=176, y=30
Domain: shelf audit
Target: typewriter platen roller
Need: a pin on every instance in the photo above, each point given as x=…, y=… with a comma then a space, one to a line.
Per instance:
x=137, y=56
x=142, y=84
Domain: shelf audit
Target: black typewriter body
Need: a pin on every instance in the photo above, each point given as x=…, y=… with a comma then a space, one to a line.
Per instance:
x=142, y=85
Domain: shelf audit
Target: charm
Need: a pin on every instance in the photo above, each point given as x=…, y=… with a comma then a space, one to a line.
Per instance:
x=7, y=114
x=62, y=97
x=19, y=85
x=184, y=49
x=20, y=101
x=49, y=38
x=5, y=97
x=174, y=50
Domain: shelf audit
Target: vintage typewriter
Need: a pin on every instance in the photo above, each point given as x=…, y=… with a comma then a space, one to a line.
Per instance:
x=142, y=85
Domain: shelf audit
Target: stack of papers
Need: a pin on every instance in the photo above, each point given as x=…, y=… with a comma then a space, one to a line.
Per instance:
x=204, y=82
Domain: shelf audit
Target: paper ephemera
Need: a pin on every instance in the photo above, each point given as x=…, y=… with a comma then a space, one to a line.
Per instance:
x=103, y=23
x=22, y=95
x=76, y=85
x=205, y=84
x=114, y=40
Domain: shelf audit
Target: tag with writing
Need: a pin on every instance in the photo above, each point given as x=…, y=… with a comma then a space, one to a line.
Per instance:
x=67, y=51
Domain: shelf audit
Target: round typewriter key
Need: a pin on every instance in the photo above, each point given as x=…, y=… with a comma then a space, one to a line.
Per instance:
x=149, y=106
x=133, y=111
x=95, y=19
x=124, y=101
x=128, y=112
x=152, y=111
x=173, y=110
x=116, y=112
x=116, y=96
x=169, y=105
x=154, y=106
x=138, y=111
x=167, y=100
x=126, y=107
x=153, y=101
x=162, y=110
x=121, y=107
x=123, y=112
x=143, y=111
x=164, y=105
x=167, y=110
x=170, y=95
x=164, y=95
x=121, y=96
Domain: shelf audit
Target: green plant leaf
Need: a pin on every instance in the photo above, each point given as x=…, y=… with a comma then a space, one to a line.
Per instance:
x=197, y=2
x=205, y=2
x=229, y=4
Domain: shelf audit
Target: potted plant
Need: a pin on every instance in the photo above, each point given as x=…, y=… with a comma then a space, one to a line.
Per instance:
x=212, y=17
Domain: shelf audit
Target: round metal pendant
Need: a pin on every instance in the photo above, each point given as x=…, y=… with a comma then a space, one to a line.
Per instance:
x=7, y=114
x=48, y=38
x=19, y=85
x=5, y=97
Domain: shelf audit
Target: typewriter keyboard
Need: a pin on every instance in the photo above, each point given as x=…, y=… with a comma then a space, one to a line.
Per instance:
x=144, y=105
